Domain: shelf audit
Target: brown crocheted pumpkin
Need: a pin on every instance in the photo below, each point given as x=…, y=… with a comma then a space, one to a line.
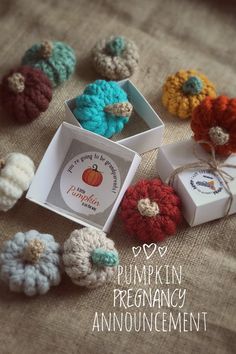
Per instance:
x=214, y=121
x=25, y=93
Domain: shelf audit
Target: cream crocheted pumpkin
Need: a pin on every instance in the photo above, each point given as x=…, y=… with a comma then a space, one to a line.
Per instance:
x=90, y=258
x=16, y=174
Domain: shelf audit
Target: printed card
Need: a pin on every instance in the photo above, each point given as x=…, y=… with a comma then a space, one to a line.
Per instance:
x=88, y=182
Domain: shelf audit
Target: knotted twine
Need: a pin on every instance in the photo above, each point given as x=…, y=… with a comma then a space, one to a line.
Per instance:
x=213, y=165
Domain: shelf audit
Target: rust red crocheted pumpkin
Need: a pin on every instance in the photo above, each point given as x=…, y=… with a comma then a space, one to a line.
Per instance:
x=150, y=210
x=25, y=93
x=214, y=121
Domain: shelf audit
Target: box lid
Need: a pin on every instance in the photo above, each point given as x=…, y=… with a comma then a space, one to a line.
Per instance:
x=142, y=141
x=83, y=176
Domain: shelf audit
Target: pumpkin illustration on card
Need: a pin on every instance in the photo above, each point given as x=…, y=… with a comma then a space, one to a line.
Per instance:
x=86, y=179
x=92, y=176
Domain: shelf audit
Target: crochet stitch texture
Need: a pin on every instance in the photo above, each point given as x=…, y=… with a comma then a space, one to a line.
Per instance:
x=103, y=108
x=115, y=58
x=16, y=174
x=25, y=92
x=89, y=257
x=30, y=263
x=56, y=59
x=150, y=210
x=214, y=121
x=184, y=91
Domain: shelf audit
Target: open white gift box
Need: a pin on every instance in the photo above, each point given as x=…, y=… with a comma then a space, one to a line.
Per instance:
x=83, y=176
x=202, y=191
x=143, y=141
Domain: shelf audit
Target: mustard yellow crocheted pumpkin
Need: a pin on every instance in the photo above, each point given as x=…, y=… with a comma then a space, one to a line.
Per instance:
x=184, y=91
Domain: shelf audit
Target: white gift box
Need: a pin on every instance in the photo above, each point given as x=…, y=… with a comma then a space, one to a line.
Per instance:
x=143, y=141
x=202, y=191
x=83, y=176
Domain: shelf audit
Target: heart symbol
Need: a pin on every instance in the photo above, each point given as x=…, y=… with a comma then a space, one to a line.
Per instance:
x=151, y=249
x=136, y=250
x=162, y=250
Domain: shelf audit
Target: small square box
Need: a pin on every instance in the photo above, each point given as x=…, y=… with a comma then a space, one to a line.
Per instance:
x=202, y=191
x=153, y=127
x=83, y=176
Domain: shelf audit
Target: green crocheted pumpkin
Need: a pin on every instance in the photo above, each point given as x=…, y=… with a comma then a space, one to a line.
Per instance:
x=56, y=59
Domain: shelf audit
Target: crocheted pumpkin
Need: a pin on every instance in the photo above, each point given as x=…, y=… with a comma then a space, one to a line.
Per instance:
x=150, y=210
x=56, y=59
x=115, y=58
x=214, y=121
x=103, y=108
x=183, y=91
x=16, y=174
x=25, y=93
x=30, y=263
x=89, y=257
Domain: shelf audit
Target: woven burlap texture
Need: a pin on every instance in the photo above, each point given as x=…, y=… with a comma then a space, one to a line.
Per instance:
x=170, y=35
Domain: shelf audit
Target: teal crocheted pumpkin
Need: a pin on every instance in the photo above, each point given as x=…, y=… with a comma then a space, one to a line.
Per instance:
x=56, y=59
x=103, y=108
x=31, y=263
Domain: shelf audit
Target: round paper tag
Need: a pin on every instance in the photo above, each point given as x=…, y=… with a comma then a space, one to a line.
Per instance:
x=206, y=182
x=90, y=183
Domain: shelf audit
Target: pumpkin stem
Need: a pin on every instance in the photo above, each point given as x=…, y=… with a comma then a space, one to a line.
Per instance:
x=122, y=109
x=193, y=86
x=148, y=208
x=2, y=163
x=95, y=167
x=46, y=49
x=218, y=136
x=116, y=46
x=33, y=251
x=102, y=257
x=16, y=82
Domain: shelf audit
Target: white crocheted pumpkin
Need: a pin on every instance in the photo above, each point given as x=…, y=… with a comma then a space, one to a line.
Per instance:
x=16, y=174
x=89, y=257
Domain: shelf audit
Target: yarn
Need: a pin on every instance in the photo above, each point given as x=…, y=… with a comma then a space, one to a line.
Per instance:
x=115, y=58
x=214, y=121
x=89, y=257
x=16, y=174
x=30, y=263
x=150, y=210
x=103, y=108
x=56, y=59
x=116, y=46
x=184, y=91
x=193, y=86
x=105, y=258
x=218, y=136
x=25, y=92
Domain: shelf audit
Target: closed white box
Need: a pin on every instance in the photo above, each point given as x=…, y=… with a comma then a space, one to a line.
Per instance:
x=65, y=184
x=144, y=141
x=202, y=192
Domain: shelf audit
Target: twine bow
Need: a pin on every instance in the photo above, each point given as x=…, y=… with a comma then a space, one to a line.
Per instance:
x=212, y=164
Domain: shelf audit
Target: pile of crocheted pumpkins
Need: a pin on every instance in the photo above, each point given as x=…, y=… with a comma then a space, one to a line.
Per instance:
x=32, y=262
x=26, y=91
x=189, y=94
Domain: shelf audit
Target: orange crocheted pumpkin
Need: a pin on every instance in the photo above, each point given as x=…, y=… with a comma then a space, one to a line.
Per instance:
x=214, y=121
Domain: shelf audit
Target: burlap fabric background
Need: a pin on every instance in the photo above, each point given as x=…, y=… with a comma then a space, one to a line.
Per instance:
x=170, y=35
